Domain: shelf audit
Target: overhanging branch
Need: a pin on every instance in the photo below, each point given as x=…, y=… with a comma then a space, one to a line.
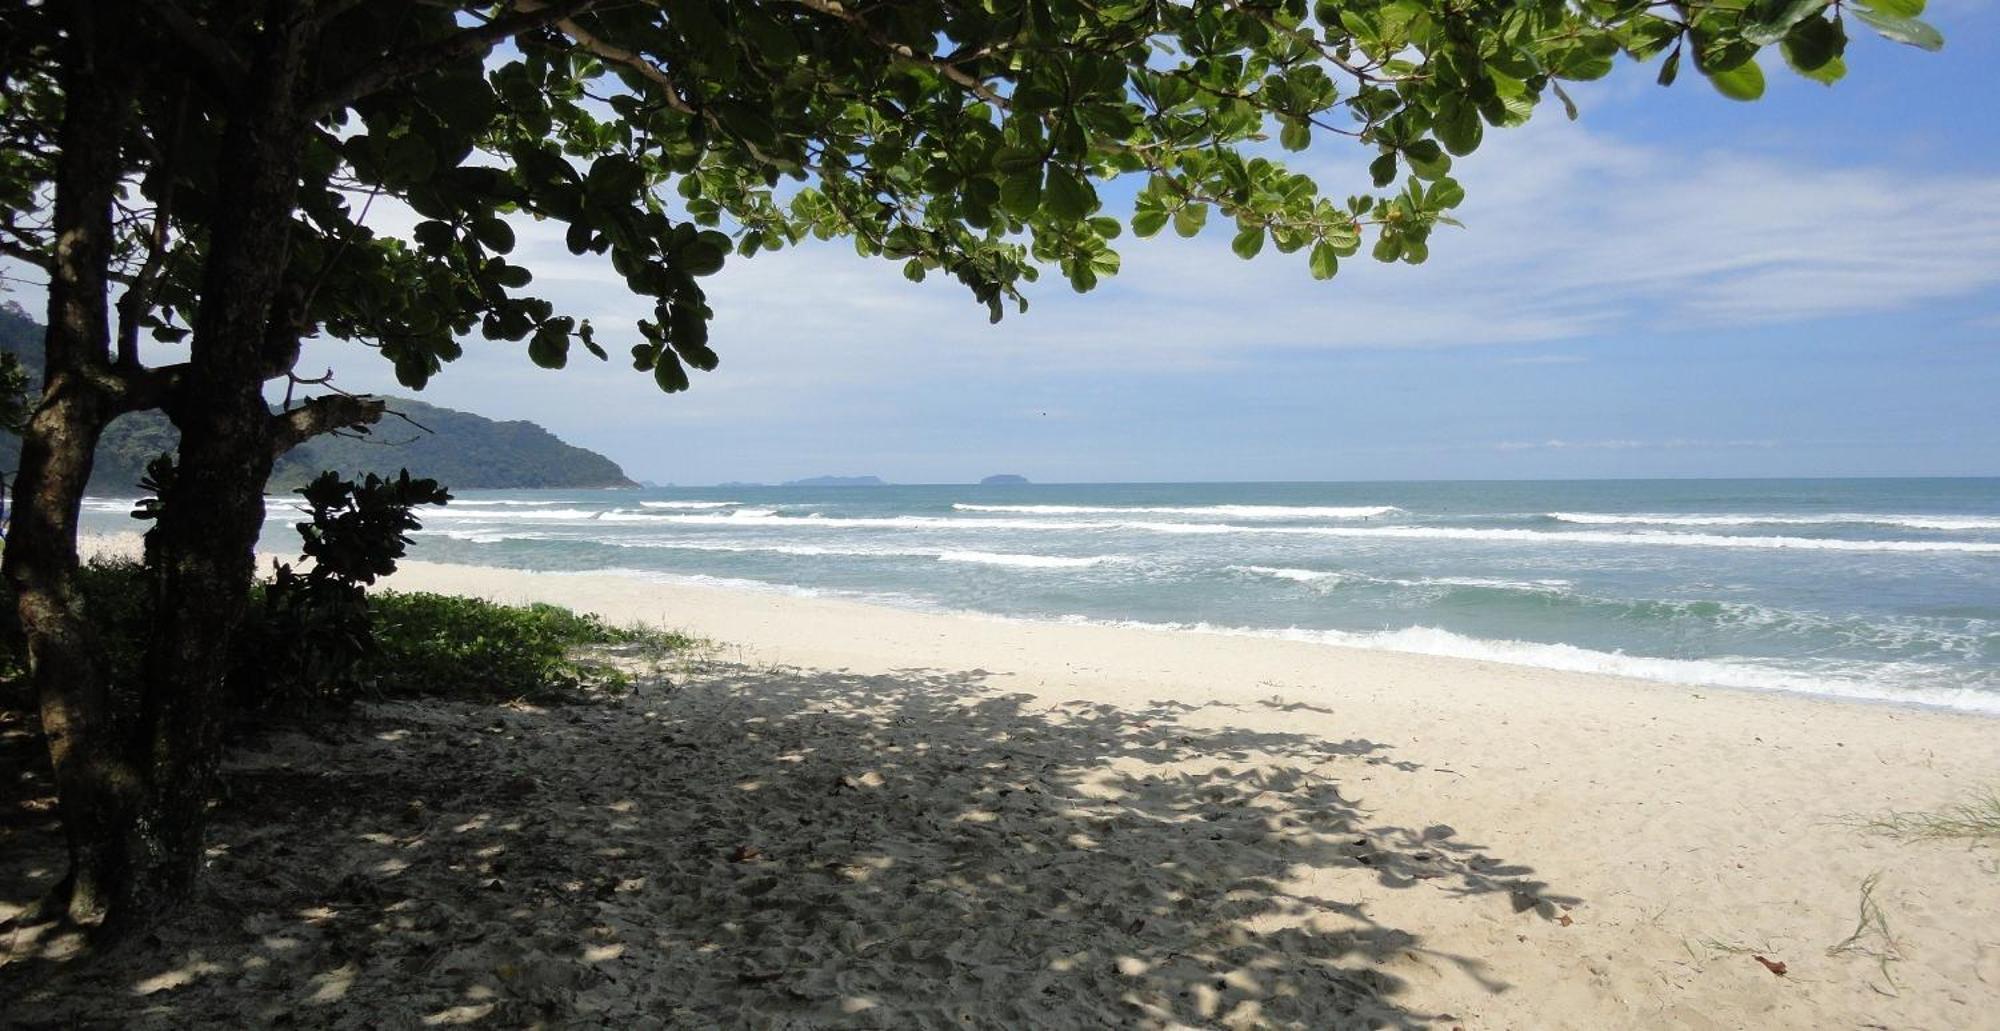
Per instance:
x=971, y=83
x=620, y=56
x=322, y=414
x=409, y=64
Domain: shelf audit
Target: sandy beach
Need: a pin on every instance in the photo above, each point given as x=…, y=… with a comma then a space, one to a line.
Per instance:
x=849, y=815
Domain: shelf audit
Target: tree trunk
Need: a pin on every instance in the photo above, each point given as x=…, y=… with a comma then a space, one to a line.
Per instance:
x=212, y=513
x=134, y=787
x=98, y=788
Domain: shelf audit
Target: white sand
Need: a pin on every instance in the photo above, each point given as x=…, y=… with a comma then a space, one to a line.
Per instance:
x=859, y=816
x=1675, y=827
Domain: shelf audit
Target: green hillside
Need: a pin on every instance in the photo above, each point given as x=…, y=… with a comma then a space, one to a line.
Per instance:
x=461, y=451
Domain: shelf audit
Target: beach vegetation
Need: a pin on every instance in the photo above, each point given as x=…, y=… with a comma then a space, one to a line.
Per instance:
x=201, y=175
x=441, y=644
x=1975, y=821
x=1871, y=936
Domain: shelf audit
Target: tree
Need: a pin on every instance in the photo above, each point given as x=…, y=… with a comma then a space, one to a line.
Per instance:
x=201, y=172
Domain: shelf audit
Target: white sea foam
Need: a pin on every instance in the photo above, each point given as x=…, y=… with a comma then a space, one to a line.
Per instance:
x=1889, y=682
x=1544, y=586
x=1915, y=522
x=990, y=558
x=1226, y=511
x=768, y=517
x=1304, y=576
x=1332, y=577
x=479, y=502
x=1637, y=537
x=486, y=536
x=689, y=504
x=764, y=517
x=569, y=515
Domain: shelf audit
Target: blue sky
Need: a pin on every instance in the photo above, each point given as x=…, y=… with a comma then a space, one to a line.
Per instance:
x=1674, y=285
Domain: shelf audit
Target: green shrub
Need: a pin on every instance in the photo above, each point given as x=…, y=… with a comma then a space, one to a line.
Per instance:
x=438, y=644
x=310, y=632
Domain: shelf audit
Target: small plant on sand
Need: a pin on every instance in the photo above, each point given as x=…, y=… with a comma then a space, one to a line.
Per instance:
x=1871, y=936
x=1976, y=821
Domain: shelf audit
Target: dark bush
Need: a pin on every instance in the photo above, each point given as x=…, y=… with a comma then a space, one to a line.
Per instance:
x=309, y=631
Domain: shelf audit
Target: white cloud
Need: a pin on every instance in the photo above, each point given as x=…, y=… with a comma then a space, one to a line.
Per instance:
x=1545, y=359
x=1571, y=234
x=1674, y=444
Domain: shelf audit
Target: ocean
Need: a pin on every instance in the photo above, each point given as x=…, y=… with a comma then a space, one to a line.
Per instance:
x=1881, y=589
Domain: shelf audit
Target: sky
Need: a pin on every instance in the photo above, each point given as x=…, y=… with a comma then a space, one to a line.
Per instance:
x=1673, y=285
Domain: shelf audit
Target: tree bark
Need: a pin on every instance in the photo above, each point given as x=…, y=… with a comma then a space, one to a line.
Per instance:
x=214, y=509
x=96, y=784
x=134, y=787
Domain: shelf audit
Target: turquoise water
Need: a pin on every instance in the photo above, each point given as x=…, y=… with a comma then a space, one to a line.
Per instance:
x=1881, y=589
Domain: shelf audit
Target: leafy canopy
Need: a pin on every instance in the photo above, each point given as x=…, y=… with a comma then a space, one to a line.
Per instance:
x=969, y=139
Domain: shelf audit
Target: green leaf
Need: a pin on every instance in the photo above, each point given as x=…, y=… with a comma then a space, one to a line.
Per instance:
x=667, y=372
x=1248, y=242
x=583, y=333
x=1569, y=106
x=549, y=347
x=1743, y=82
x=1014, y=160
x=1021, y=192
x=1768, y=20
x=1901, y=29
x=1323, y=261
x=1457, y=126
x=1427, y=159
x=1670, y=68
x=435, y=237
x=1068, y=197
x=495, y=233
x=1190, y=218
x=1383, y=170
x=1149, y=221
x=1814, y=47
x=705, y=255
x=1446, y=193
x=1897, y=8
x=1295, y=135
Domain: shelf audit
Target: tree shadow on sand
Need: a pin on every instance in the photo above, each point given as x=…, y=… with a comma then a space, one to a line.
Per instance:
x=791, y=849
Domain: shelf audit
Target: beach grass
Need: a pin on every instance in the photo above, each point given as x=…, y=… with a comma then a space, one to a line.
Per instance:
x=1976, y=820
x=1871, y=935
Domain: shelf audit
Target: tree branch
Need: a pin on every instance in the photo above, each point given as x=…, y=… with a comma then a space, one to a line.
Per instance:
x=222, y=65
x=322, y=414
x=971, y=83
x=415, y=61
x=138, y=297
x=27, y=255
x=618, y=55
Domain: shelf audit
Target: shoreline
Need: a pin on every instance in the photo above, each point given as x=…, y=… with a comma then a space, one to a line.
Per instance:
x=1572, y=660
x=1975, y=705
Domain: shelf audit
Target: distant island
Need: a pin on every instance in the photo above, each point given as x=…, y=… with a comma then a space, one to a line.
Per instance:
x=461, y=451
x=837, y=481
x=1004, y=480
